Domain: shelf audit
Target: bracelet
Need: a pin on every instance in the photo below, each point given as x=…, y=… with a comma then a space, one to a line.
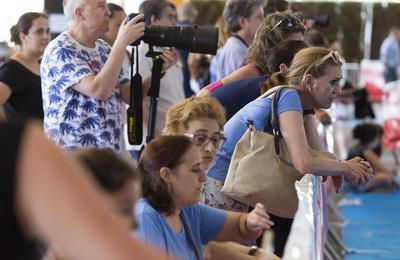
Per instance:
x=253, y=250
x=309, y=111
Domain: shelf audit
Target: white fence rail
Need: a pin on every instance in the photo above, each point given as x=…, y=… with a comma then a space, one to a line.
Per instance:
x=306, y=236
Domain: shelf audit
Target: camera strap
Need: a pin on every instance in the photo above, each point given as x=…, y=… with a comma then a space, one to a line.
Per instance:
x=241, y=39
x=135, y=110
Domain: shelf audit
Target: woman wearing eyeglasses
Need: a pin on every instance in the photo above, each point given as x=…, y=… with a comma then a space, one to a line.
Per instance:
x=169, y=215
x=313, y=82
x=202, y=119
x=275, y=28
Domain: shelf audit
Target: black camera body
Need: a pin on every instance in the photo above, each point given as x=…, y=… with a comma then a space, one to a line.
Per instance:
x=198, y=39
x=321, y=20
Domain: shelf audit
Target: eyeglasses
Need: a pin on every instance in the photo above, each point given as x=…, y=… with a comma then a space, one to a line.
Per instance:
x=287, y=23
x=217, y=140
x=334, y=55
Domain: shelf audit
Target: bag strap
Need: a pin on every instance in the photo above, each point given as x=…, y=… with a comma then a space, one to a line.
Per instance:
x=189, y=237
x=273, y=119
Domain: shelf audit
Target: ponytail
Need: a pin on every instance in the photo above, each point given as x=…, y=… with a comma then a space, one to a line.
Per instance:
x=276, y=79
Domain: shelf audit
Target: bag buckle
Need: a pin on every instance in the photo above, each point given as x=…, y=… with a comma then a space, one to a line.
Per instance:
x=249, y=123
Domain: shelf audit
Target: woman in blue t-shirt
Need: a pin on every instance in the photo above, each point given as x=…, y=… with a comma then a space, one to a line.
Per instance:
x=169, y=215
x=313, y=83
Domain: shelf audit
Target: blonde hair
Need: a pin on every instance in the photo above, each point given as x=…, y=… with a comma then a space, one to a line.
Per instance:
x=223, y=31
x=276, y=79
x=312, y=60
x=194, y=108
x=269, y=35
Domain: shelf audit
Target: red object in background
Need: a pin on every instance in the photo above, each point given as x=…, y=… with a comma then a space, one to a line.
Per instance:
x=391, y=134
x=375, y=93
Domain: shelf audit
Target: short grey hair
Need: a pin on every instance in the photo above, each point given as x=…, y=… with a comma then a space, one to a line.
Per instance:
x=235, y=8
x=70, y=6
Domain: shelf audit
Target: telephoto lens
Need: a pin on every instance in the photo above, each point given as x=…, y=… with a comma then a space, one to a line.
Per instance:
x=198, y=39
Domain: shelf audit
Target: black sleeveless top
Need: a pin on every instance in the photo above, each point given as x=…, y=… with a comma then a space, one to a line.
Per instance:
x=26, y=97
x=13, y=243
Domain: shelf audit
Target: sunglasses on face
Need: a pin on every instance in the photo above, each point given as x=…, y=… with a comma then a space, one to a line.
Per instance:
x=288, y=23
x=202, y=139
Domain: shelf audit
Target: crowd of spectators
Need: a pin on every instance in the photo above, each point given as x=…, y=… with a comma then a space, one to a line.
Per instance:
x=70, y=189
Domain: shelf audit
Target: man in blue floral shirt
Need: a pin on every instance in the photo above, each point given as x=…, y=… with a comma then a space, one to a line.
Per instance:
x=83, y=80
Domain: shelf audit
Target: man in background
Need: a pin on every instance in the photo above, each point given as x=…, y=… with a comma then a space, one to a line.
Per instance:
x=389, y=54
x=159, y=13
x=83, y=80
x=243, y=18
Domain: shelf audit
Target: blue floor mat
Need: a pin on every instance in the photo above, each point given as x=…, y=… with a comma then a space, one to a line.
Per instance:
x=372, y=230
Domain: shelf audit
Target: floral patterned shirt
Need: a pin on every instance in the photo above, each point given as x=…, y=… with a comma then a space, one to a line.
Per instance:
x=72, y=119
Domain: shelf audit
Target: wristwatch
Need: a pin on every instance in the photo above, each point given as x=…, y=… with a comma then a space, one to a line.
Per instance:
x=253, y=250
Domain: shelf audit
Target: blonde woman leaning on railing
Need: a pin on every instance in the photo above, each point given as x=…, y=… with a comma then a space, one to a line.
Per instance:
x=313, y=82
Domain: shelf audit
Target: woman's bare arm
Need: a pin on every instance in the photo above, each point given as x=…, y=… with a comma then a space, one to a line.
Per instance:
x=5, y=93
x=235, y=251
x=241, y=73
x=241, y=227
x=294, y=134
x=310, y=128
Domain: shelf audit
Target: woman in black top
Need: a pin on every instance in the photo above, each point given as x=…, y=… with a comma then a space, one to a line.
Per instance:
x=47, y=196
x=20, y=84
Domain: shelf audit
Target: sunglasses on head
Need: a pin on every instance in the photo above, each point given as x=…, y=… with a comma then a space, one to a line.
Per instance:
x=287, y=23
x=333, y=55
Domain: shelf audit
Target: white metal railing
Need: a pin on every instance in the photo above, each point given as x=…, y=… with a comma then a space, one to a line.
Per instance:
x=306, y=235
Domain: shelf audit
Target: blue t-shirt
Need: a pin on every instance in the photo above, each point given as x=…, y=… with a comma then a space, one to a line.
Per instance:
x=204, y=223
x=389, y=52
x=258, y=111
x=237, y=94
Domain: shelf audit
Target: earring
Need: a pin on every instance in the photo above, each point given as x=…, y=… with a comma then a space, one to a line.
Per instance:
x=169, y=188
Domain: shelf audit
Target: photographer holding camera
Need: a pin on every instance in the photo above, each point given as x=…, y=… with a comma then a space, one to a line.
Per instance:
x=159, y=13
x=83, y=79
